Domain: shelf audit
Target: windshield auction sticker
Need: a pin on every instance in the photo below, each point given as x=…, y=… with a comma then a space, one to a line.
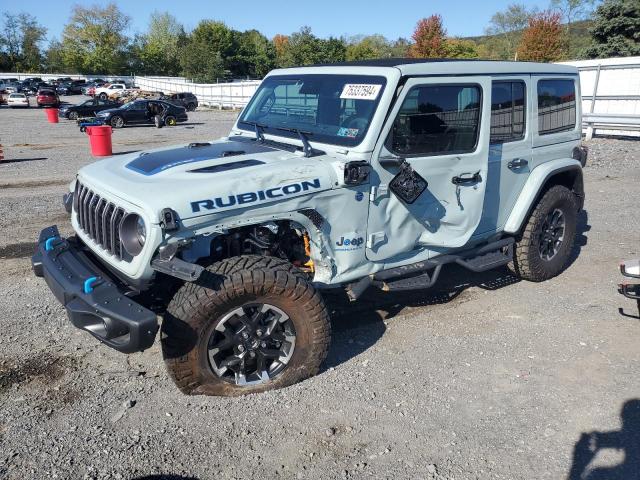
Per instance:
x=360, y=91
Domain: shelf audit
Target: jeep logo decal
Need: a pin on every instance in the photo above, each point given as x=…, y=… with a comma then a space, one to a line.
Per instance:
x=347, y=244
x=251, y=197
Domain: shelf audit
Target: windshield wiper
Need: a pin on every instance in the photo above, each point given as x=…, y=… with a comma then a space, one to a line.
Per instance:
x=259, y=129
x=302, y=135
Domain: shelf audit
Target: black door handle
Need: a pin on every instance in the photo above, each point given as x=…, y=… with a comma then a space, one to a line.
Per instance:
x=391, y=161
x=517, y=163
x=467, y=179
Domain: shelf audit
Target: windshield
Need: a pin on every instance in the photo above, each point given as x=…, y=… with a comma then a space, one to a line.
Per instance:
x=334, y=109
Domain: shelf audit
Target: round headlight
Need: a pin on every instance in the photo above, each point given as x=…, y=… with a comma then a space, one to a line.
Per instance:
x=133, y=233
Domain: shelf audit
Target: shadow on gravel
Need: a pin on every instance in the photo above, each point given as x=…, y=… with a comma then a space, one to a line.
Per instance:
x=125, y=152
x=18, y=160
x=17, y=250
x=165, y=477
x=359, y=325
x=625, y=440
x=582, y=227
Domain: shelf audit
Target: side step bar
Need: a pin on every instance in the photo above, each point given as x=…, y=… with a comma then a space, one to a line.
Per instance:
x=423, y=275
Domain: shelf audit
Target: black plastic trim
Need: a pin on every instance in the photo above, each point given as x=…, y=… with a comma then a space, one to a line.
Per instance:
x=98, y=307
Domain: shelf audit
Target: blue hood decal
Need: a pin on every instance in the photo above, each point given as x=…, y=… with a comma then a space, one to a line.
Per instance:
x=156, y=162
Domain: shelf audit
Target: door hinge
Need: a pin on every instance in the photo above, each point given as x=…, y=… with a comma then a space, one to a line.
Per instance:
x=378, y=191
x=375, y=238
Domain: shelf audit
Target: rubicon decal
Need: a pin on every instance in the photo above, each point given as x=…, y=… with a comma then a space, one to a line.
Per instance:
x=253, y=197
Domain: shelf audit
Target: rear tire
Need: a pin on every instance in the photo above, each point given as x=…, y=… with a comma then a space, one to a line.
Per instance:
x=170, y=121
x=543, y=250
x=196, y=318
x=191, y=107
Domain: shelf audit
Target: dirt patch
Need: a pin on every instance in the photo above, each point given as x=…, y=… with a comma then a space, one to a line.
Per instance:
x=17, y=250
x=34, y=183
x=45, y=366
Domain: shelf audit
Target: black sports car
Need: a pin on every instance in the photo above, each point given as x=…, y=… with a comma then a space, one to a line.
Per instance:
x=88, y=108
x=140, y=112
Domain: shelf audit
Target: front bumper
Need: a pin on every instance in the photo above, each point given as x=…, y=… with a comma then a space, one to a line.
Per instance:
x=93, y=301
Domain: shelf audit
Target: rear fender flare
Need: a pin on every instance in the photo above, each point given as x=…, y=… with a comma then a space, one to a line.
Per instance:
x=536, y=184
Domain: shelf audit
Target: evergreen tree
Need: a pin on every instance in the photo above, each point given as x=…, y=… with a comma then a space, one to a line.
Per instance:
x=616, y=30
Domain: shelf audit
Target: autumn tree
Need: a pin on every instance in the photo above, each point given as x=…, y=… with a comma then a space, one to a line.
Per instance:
x=429, y=38
x=542, y=39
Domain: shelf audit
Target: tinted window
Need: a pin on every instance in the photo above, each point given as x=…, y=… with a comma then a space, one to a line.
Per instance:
x=507, y=111
x=437, y=119
x=556, y=106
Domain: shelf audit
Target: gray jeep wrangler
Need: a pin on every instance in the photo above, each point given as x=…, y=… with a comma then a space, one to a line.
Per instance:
x=372, y=174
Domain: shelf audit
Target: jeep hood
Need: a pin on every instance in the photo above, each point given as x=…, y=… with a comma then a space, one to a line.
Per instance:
x=201, y=179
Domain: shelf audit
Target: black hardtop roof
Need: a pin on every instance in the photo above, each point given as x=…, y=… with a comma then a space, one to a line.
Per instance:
x=396, y=61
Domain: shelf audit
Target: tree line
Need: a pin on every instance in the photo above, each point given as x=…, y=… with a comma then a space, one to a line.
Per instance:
x=94, y=41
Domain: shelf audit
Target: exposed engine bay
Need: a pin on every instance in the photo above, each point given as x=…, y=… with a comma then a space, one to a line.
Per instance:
x=282, y=239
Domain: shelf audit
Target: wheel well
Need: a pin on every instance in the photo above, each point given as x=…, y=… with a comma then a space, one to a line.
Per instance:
x=570, y=178
x=283, y=239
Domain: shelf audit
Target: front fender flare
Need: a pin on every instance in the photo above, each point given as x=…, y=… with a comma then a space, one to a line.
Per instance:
x=537, y=180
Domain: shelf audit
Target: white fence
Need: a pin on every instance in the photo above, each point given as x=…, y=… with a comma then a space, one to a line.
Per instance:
x=52, y=76
x=610, y=95
x=221, y=95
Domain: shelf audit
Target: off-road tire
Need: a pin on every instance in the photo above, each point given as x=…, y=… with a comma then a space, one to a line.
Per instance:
x=197, y=308
x=527, y=261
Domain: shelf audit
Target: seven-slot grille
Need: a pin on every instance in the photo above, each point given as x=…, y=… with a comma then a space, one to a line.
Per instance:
x=100, y=219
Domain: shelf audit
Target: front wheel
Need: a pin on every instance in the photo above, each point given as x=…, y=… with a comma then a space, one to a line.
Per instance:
x=73, y=115
x=547, y=240
x=251, y=324
x=117, y=121
x=102, y=96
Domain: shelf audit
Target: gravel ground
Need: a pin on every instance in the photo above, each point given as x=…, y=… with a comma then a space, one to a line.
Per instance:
x=483, y=377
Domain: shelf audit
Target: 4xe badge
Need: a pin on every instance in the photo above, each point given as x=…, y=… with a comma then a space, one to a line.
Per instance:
x=349, y=244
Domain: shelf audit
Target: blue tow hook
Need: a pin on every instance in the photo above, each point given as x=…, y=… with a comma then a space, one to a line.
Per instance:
x=48, y=244
x=88, y=284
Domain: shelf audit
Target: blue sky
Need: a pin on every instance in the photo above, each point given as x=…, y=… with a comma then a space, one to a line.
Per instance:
x=392, y=18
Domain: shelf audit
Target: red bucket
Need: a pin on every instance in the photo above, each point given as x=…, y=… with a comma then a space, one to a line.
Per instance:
x=52, y=114
x=100, y=140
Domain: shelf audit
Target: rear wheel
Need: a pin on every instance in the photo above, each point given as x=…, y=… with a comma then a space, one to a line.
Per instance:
x=191, y=107
x=548, y=237
x=170, y=121
x=117, y=121
x=251, y=324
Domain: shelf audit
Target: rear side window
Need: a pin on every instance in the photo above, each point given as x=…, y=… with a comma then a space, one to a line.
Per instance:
x=556, y=106
x=437, y=119
x=508, y=108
